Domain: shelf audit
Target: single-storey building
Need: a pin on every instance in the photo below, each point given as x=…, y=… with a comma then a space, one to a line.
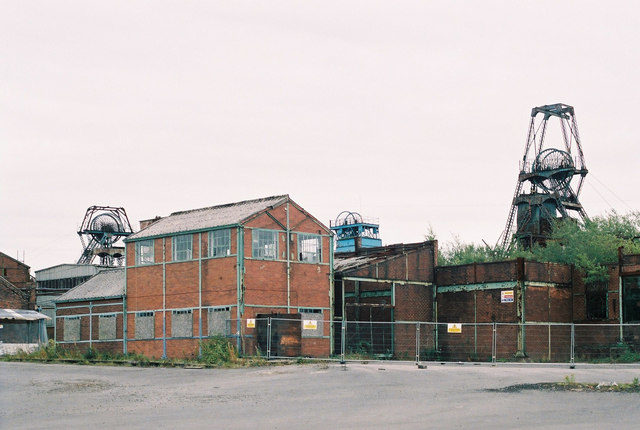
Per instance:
x=91, y=314
x=21, y=329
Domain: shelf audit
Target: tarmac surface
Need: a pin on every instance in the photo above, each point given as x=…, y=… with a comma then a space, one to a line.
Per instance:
x=373, y=395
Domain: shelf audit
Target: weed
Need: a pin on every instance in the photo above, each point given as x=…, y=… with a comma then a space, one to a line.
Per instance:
x=570, y=380
x=218, y=351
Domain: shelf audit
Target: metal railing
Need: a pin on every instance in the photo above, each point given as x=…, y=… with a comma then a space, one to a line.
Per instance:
x=413, y=341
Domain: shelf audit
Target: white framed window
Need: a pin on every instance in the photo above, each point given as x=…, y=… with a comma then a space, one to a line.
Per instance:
x=144, y=252
x=264, y=244
x=181, y=323
x=182, y=247
x=220, y=243
x=71, y=330
x=107, y=326
x=309, y=247
x=144, y=325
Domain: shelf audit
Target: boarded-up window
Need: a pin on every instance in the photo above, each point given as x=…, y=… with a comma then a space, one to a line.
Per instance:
x=71, y=328
x=311, y=322
x=107, y=327
x=219, y=322
x=145, y=325
x=181, y=323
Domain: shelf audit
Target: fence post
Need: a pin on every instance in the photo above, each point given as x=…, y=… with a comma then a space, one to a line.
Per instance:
x=418, y=343
x=343, y=331
x=573, y=346
x=269, y=338
x=493, y=345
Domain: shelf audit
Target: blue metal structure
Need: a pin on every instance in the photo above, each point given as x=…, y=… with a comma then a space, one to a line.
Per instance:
x=353, y=232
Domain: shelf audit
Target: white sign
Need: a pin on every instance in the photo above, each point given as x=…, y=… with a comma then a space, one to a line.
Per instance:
x=454, y=328
x=506, y=296
x=309, y=325
x=251, y=323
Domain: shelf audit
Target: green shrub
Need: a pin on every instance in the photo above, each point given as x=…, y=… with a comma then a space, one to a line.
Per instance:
x=219, y=351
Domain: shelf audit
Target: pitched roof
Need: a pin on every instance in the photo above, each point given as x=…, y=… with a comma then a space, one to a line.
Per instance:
x=214, y=216
x=22, y=315
x=11, y=258
x=107, y=283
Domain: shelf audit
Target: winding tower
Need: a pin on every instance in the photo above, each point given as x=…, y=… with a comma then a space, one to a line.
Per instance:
x=549, y=181
x=353, y=232
x=101, y=228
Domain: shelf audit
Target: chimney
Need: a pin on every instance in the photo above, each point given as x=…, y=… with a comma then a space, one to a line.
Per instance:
x=147, y=222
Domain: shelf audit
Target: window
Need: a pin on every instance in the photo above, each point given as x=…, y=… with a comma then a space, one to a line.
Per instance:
x=145, y=325
x=219, y=243
x=71, y=329
x=596, y=301
x=107, y=327
x=144, y=252
x=181, y=323
x=309, y=247
x=311, y=322
x=264, y=244
x=182, y=247
x=219, y=321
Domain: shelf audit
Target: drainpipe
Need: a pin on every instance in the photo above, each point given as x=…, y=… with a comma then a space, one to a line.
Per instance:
x=199, y=294
x=288, y=263
x=164, y=298
x=520, y=315
x=620, y=261
x=124, y=304
x=331, y=295
x=240, y=268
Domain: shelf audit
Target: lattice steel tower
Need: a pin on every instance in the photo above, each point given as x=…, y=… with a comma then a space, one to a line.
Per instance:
x=101, y=228
x=548, y=172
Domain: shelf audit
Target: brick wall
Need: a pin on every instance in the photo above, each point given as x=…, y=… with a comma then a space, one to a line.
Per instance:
x=89, y=313
x=263, y=288
x=16, y=273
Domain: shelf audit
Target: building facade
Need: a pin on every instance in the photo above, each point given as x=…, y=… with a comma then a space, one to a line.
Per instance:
x=212, y=271
x=16, y=284
x=54, y=281
x=91, y=314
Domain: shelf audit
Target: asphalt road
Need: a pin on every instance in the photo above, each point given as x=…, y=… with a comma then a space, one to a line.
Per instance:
x=312, y=396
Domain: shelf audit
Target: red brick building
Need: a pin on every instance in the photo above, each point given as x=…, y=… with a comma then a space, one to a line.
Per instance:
x=91, y=314
x=17, y=289
x=211, y=271
x=384, y=284
x=530, y=304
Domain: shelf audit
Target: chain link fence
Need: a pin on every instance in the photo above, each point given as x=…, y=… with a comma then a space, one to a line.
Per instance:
x=444, y=342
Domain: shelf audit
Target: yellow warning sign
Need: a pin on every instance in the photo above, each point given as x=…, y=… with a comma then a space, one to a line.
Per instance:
x=251, y=323
x=454, y=328
x=309, y=325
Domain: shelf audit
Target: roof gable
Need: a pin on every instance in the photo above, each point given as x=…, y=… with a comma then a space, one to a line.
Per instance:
x=13, y=259
x=107, y=283
x=210, y=217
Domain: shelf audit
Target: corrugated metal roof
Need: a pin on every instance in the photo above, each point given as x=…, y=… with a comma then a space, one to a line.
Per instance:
x=342, y=264
x=62, y=271
x=107, y=283
x=21, y=315
x=215, y=216
x=366, y=256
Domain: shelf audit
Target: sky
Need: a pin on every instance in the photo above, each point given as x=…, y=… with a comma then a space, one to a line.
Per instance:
x=414, y=113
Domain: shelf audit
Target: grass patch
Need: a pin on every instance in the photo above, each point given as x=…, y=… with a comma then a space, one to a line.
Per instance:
x=216, y=352
x=569, y=384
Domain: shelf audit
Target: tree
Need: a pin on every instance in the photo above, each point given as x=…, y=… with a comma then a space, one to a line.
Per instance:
x=590, y=246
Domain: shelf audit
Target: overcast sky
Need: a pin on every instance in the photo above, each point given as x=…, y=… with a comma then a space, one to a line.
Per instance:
x=411, y=112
